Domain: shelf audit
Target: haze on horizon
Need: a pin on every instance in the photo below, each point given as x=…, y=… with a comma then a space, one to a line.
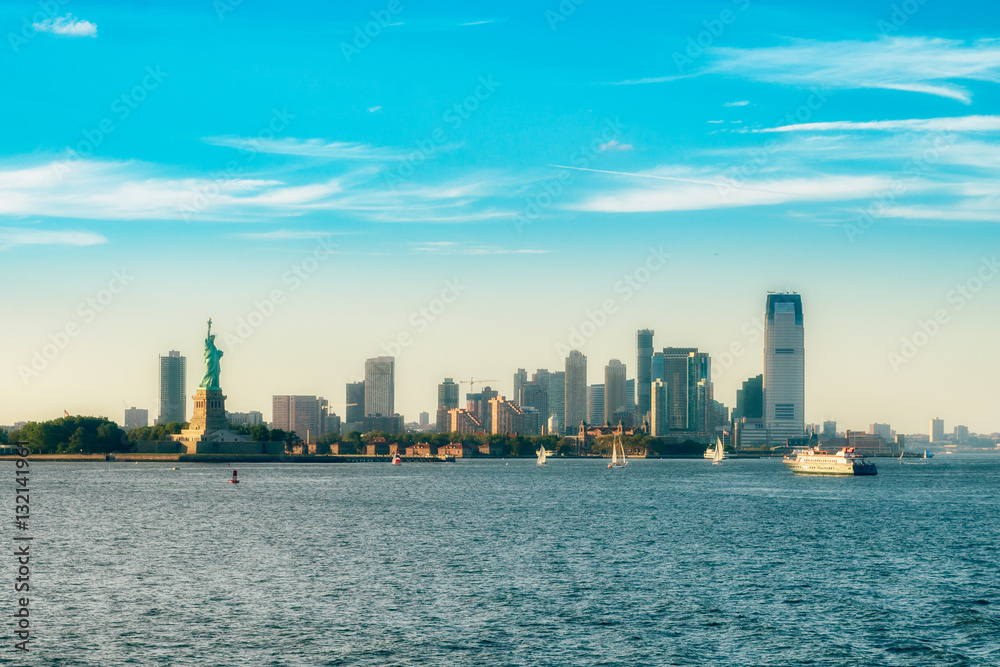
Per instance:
x=220, y=160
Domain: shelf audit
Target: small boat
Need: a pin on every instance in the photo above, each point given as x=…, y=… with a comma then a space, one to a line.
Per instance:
x=234, y=480
x=396, y=461
x=719, y=452
x=175, y=468
x=618, y=458
x=928, y=455
x=541, y=456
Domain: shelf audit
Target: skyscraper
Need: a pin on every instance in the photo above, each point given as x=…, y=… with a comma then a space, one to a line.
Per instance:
x=643, y=372
x=136, y=418
x=614, y=390
x=576, y=391
x=658, y=423
x=173, y=388
x=520, y=377
x=535, y=394
x=675, y=373
x=937, y=430
x=354, y=410
x=700, y=397
x=447, y=400
x=557, y=399
x=301, y=414
x=595, y=405
x=750, y=399
x=380, y=387
x=784, y=367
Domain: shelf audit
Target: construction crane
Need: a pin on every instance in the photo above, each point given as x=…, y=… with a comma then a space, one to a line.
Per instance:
x=472, y=382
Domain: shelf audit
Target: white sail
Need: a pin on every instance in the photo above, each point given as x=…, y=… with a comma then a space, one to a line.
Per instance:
x=717, y=458
x=541, y=455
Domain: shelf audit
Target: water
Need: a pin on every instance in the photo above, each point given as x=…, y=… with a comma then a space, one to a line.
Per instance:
x=482, y=563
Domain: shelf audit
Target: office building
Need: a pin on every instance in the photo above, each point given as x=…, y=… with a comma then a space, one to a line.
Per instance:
x=447, y=400
x=829, y=429
x=595, y=405
x=784, y=368
x=173, y=388
x=700, y=393
x=658, y=412
x=643, y=373
x=937, y=430
x=302, y=414
x=136, y=418
x=535, y=395
x=673, y=367
x=750, y=399
x=508, y=418
x=252, y=418
x=464, y=422
x=614, y=390
x=520, y=377
x=961, y=433
x=881, y=430
x=557, y=400
x=425, y=419
x=576, y=391
x=380, y=387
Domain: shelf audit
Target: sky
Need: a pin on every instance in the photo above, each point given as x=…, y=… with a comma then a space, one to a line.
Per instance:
x=477, y=189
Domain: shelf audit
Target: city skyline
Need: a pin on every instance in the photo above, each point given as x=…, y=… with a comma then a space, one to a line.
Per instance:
x=624, y=168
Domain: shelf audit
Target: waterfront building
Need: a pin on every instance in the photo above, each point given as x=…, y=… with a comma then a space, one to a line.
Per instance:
x=658, y=422
x=380, y=387
x=173, y=383
x=884, y=431
x=830, y=429
x=674, y=371
x=749, y=433
x=700, y=393
x=507, y=418
x=252, y=418
x=576, y=391
x=937, y=430
x=463, y=422
x=871, y=445
x=136, y=418
x=784, y=367
x=302, y=415
x=750, y=399
x=614, y=390
x=961, y=433
x=643, y=373
x=595, y=405
x=447, y=400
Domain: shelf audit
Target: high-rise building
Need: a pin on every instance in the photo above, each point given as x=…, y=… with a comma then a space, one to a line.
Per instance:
x=658, y=424
x=520, y=377
x=354, y=410
x=829, y=429
x=425, y=419
x=700, y=392
x=643, y=372
x=784, y=368
x=595, y=405
x=485, y=416
x=463, y=422
x=614, y=390
x=576, y=391
x=252, y=418
x=136, y=418
x=535, y=394
x=301, y=414
x=447, y=401
x=961, y=433
x=675, y=373
x=882, y=430
x=750, y=399
x=937, y=430
x=380, y=387
x=508, y=418
x=173, y=388
x=557, y=400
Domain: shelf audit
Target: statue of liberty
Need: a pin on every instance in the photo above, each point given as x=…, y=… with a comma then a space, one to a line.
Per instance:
x=212, y=357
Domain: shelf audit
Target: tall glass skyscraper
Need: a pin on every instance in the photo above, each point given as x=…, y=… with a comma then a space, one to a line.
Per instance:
x=173, y=388
x=614, y=390
x=576, y=391
x=380, y=387
x=643, y=372
x=784, y=368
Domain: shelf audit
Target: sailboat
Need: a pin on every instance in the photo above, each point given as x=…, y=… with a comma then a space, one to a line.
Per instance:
x=618, y=459
x=541, y=456
x=901, y=457
x=719, y=452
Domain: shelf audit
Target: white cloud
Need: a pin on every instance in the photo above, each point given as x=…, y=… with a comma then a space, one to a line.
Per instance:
x=614, y=145
x=374, y=109
x=17, y=236
x=916, y=64
x=455, y=248
x=67, y=26
x=288, y=235
x=740, y=103
x=334, y=150
x=953, y=124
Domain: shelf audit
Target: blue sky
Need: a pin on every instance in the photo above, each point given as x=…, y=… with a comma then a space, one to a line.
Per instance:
x=532, y=152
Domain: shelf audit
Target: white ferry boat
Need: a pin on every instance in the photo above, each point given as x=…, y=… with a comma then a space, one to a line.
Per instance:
x=814, y=461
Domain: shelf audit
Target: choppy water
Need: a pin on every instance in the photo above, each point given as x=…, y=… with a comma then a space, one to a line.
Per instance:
x=482, y=563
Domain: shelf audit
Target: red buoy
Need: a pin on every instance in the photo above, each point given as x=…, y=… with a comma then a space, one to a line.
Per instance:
x=234, y=480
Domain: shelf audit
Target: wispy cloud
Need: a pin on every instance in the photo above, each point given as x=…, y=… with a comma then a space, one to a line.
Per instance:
x=17, y=236
x=316, y=148
x=953, y=124
x=67, y=26
x=374, y=109
x=614, y=145
x=740, y=103
x=916, y=64
x=457, y=248
x=289, y=235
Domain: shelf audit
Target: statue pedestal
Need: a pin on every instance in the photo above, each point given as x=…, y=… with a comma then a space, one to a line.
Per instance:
x=209, y=411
